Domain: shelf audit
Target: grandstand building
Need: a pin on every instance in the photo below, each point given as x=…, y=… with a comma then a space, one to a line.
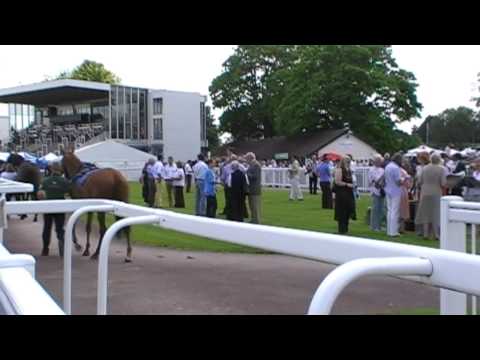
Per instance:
x=45, y=115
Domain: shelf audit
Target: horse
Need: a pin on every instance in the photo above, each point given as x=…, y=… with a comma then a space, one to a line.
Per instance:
x=105, y=183
x=27, y=173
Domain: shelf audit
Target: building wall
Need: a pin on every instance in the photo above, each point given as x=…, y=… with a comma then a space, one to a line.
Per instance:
x=350, y=145
x=181, y=123
x=4, y=129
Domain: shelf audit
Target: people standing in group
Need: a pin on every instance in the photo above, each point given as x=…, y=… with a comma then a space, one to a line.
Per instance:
x=178, y=184
x=169, y=173
x=54, y=187
x=386, y=160
x=199, y=171
x=210, y=189
x=312, y=175
x=458, y=169
x=238, y=184
x=376, y=185
x=188, y=175
x=407, y=182
x=159, y=172
x=393, y=192
x=148, y=180
x=324, y=173
x=432, y=181
x=344, y=202
x=254, y=174
x=294, y=175
x=472, y=183
x=226, y=172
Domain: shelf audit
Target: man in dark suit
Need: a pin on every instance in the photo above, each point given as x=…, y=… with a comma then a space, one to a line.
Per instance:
x=254, y=174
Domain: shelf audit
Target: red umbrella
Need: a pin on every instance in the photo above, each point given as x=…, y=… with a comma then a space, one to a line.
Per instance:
x=334, y=156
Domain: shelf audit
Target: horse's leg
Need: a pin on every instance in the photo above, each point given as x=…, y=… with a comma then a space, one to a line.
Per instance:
x=78, y=247
x=33, y=196
x=129, y=246
x=103, y=229
x=87, y=230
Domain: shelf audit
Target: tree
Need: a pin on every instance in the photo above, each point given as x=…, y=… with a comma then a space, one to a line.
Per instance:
x=460, y=127
x=212, y=131
x=89, y=71
x=284, y=90
x=243, y=90
x=477, y=99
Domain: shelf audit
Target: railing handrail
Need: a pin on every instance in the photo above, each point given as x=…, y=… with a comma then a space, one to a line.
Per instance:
x=328, y=248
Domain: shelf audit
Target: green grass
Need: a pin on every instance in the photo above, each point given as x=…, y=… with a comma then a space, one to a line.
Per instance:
x=276, y=211
x=417, y=311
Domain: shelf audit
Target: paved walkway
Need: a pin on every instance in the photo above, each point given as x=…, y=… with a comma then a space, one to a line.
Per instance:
x=161, y=281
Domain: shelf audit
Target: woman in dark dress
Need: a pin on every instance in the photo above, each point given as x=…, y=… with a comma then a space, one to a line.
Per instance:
x=344, y=201
x=238, y=189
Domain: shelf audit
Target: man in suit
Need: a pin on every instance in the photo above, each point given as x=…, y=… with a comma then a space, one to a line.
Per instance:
x=254, y=174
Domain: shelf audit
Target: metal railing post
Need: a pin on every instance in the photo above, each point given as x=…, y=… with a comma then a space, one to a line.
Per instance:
x=102, y=286
x=452, y=237
x=67, y=253
x=342, y=276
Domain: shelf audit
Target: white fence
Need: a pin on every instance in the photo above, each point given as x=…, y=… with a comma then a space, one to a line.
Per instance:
x=20, y=293
x=278, y=177
x=357, y=257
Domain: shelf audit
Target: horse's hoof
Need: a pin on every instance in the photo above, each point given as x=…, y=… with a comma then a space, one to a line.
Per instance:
x=78, y=247
x=86, y=253
x=94, y=257
x=128, y=260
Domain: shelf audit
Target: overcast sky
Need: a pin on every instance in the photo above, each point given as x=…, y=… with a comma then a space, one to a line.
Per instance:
x=446, y=74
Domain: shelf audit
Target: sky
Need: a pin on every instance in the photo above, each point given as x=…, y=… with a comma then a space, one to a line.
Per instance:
x=446, y=74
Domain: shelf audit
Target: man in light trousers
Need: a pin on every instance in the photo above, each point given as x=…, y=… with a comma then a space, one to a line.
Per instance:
x=378, y=200
x=199, y=171
x=393, y=193
x=294, y=174
x=254, y=173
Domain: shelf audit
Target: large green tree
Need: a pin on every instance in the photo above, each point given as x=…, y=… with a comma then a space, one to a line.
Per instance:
x=283, y=90
x=459, y=127
x=212, y=131
x=89, y=70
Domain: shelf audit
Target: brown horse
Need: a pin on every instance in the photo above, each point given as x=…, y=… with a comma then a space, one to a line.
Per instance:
x=100, y=184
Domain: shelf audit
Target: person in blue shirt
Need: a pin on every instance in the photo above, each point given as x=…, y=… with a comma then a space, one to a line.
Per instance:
x=210, y=189
x=323, y=171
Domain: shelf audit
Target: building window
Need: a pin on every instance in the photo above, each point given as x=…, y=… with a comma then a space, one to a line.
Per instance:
x=203, y=122
x=157, y=129
x=157, y=106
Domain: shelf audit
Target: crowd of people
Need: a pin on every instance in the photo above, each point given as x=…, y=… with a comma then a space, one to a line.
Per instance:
x=240, y=177
x=398, y=182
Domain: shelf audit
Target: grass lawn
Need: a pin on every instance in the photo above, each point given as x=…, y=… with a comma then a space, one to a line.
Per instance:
x=276, y=211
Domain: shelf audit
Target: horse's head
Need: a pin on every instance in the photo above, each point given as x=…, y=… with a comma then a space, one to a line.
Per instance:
x=70, y=162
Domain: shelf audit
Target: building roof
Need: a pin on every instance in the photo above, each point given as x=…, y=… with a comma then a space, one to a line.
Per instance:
x=301, y=145
x=55, y=92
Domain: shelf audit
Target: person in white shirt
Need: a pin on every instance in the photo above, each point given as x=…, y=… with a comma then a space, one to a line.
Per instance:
x=294, y=175
x=178, y=184
x=199, y=171
x=378, y=195
x=170, y=173
x=188, y=175
x=158, y=171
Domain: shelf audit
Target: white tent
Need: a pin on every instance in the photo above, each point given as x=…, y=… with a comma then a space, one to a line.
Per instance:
x=422, y=148
x=115, y=155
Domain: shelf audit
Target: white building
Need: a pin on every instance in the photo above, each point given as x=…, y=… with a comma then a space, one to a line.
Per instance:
x=4, y=129
x=162, y=122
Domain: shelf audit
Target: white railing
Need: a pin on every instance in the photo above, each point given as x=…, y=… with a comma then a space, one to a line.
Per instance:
x=357, y=256
x=459, y=221
x=20, y=293
x=278, y=177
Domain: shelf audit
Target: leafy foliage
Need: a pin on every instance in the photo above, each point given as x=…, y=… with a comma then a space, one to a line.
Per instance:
x=90, y=71
x=273, y=90
x=212, y=131
x=459, y=127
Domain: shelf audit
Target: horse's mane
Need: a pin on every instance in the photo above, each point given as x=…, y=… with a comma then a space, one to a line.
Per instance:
x=71, y=163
